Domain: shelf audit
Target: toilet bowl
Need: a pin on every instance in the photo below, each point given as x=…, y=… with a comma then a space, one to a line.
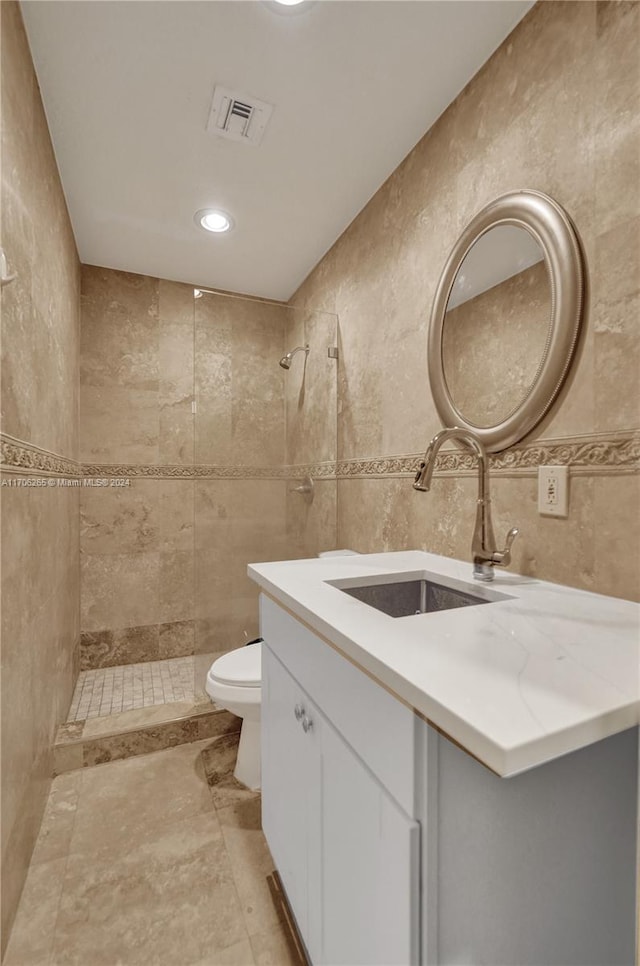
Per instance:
x=234, y=682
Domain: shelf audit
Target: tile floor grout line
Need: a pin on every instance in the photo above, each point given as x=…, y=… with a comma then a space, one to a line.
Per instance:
x=251, y=947
x=103, y=691
x=64, y=875
x=160, y=823
x=229, y=858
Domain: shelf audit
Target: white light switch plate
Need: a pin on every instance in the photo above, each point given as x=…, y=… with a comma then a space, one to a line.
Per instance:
x=553, y=491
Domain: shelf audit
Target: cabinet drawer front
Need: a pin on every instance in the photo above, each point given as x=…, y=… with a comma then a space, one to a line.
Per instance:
x=378, y=727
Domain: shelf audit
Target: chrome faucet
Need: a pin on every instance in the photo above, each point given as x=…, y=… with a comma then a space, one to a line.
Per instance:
x=483, y=546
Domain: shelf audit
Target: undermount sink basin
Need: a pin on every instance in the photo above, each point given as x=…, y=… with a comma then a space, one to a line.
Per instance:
x=414, y=595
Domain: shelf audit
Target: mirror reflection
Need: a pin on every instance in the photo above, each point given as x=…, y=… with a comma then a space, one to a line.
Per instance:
x=496, y=324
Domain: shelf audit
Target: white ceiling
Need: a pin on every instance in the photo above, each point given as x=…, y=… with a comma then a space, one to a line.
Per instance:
x=127, y=88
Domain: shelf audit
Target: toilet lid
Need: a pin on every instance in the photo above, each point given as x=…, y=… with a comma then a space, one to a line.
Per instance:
x=240, y=668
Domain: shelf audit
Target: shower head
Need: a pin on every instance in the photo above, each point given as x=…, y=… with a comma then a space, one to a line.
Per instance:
x=285, y=362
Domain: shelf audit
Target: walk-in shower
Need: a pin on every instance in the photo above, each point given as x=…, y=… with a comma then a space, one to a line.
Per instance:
x=285, y=362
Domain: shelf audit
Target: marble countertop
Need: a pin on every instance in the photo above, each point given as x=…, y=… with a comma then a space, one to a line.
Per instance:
x=518, y=682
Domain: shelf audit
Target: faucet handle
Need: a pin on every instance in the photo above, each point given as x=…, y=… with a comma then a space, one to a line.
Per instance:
x=502, y=558
x=511, y=536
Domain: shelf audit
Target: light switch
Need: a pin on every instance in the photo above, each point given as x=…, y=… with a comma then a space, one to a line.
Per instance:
x=553, y=491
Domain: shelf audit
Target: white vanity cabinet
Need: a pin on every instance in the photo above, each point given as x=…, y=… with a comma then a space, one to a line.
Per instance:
x=397, y=847
x=346, y=850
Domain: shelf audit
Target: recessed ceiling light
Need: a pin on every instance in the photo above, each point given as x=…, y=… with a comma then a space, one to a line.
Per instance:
x=287, y=7
x=213, y=219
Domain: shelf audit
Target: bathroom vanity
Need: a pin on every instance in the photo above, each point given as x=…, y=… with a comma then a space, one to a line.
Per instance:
x=455, y=784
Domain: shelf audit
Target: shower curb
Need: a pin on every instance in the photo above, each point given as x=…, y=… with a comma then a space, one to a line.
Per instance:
x=74, y=749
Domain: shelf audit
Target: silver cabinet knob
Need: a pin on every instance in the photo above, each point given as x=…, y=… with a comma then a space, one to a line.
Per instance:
x=298, y=711
x=307, y=724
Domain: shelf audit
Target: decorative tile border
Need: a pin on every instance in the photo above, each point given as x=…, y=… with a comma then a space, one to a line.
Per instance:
x=167, y=471
x=606, y=452
x=317, y=471
x=205, y=471
x=19, y=456
x=602, y=453
x=619, y=453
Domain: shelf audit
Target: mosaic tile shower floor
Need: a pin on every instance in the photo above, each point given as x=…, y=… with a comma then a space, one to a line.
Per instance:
x=127, y=687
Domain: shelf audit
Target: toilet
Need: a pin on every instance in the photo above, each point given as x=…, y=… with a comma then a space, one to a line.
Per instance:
x=234, y=682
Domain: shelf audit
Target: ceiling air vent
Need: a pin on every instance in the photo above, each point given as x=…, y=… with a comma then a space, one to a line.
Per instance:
x=238, y=117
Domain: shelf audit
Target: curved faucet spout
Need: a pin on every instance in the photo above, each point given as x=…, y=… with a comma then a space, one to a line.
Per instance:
x=424, y=474
x=485, y=554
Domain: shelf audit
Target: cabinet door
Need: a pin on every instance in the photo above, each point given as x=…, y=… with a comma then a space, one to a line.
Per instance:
x=370, y=866
x=348, y=855
x=291, y=790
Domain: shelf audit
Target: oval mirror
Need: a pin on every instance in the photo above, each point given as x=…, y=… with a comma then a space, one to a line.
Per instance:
x=506, y=318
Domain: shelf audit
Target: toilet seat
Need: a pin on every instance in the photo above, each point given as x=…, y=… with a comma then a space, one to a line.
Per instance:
x=241, y=668
x=234, y=681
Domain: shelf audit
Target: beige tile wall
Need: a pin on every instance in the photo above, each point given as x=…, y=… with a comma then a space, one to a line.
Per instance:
x=237, y=522
x=311, y=388
x=240, y=423
x=136, y=385
x=238, y=383
x=311, y=431
x=556, y=108
x=40, y=539
x=164, y=559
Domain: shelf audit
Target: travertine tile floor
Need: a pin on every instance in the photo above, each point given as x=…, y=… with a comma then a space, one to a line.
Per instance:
x=126, y=687
x=139, y=862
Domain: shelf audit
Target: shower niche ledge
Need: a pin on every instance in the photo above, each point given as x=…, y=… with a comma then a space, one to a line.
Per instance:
x=429, y=771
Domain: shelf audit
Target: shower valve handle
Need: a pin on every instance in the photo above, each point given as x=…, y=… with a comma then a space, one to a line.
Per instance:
x=305, y=488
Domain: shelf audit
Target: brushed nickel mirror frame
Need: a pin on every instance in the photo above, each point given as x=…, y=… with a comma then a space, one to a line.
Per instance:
x=552, y=228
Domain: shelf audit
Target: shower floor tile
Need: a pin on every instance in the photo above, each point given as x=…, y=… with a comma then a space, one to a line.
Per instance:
x=127, y=687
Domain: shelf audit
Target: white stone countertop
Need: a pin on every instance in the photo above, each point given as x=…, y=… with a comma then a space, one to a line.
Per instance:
x=516, y=683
